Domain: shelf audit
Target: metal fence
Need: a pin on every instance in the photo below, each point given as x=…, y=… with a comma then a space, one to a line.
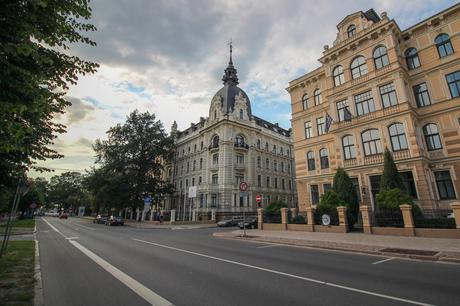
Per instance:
x=434, y=218
x=388, y=218
x=272, y=217
x=333, y=214
x=300, y=218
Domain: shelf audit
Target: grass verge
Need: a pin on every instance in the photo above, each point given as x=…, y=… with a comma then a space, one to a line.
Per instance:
x=28, y=223
x=17, y=273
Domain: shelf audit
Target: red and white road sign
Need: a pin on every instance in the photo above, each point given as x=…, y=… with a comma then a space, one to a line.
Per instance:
x=258, y=198
x=243, y=186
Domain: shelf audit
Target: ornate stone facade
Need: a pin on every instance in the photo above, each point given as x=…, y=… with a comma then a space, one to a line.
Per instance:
x=382, y=87
x=230, y=146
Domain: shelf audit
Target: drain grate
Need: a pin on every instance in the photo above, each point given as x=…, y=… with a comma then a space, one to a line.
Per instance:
x=409, y=251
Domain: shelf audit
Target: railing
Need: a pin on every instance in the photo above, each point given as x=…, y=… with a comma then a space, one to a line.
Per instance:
x=401, y=154
x=373, y=159
x=350, y=162
x=272, y=217
x=391, y=109
x=388, y=218
x=436, y=154
x=241, y=145
x=434, y=218
x=300, y=218
x=360, y=79
x=213, y=146
x=214, y=167
x=333, y=214
x=240, y=166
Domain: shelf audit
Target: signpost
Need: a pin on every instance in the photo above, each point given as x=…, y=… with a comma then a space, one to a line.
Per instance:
x=147, y=203
x=191, y=195
x=258, y=199
x=243, y=193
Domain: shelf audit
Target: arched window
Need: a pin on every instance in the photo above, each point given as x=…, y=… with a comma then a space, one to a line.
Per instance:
x=443, y=45
x=305, y=101
x=258, y=143
x=266, y=146
x=339, y=76
x=371, y=142
x=412, y=59
x=381, y=57
x=398, y=137
x=317, y=96
x=215, y=142
x=311, y=161
x=194, y=165
x=239, y=141
x=267, y=164
x=351, y=30
x=348, y=145
x=258, y=162
x=241, y=114
x=358, y=67
x=324, y=158
x=432, y=138
x=201, y=163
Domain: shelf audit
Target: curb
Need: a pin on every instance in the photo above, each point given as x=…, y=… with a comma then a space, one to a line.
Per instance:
x=38, y=288
x=435, y=258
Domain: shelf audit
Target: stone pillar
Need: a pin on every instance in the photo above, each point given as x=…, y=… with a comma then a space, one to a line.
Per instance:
x=456, y=208
x=366, y=215
x=293, y=212
x=343, y=221
x=213, y=215
x=408, y=219
x=194, y=215
x=173, y=216
x=284, y=217
x=310, y=219
x=260, y=218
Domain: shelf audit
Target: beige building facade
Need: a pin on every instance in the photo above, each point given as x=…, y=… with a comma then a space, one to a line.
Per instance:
x=379, y=86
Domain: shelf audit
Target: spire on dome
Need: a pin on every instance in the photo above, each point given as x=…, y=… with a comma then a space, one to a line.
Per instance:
x=230, y=76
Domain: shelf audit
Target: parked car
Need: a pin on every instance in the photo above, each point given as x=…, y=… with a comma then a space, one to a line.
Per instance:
x=100, y=219
x=54, y=214
x=114, y=221
x=225, y=223
x=248, y=223
x=451, y=215
x=63, y=215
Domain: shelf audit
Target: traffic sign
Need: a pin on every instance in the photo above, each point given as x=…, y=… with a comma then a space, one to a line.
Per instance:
x=33, y=205
x=148, y=200
x=258, y=198
x=326, y=219
x=243, y=186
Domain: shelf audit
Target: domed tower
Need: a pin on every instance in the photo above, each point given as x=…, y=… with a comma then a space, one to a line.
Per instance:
x=230, y=99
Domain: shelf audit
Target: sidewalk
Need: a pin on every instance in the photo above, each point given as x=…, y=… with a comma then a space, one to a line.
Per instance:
x=412, y=247
x=166, y=225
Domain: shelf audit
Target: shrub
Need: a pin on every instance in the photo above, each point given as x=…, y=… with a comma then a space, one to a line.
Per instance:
x=390, y=199
x=299, y=219
x=390, y=178
x=275, y=206
x=346, y=192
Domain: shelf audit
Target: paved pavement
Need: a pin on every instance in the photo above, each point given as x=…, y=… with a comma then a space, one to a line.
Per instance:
x=415, y=247
x=89, y=264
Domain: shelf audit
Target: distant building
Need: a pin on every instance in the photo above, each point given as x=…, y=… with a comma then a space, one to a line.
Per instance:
x=382, y=87
x=230, y=146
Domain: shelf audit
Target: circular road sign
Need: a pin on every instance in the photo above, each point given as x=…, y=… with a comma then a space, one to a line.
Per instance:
x=33, y=205
x=243, y=186
x=326, y=219
x=258, y=198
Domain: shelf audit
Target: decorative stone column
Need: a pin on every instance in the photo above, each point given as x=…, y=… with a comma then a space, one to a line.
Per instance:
x=260, y=218
x=343, y=221
x=310, y=219
x=173, y=216
x=456, y=208
x=408, y=219
x=284, y=217
x=366, y=216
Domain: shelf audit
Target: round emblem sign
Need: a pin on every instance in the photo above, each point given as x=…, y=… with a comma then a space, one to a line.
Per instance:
x=326, y=219
x=258, y=198
x=243, y=186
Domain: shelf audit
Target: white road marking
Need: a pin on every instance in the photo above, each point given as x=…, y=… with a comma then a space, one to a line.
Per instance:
x=144, y=292
x=268, y=246
x=71, y=238
x=286, y=274
x=51, y=225
x=382, y=261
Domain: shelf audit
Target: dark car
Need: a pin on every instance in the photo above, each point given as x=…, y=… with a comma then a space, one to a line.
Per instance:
x=100, y=219
x=114, y=221
x=63, y=216
x=248, y=223
x=225, y=223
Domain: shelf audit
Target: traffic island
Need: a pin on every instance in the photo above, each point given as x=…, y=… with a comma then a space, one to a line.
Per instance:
x=17, y=281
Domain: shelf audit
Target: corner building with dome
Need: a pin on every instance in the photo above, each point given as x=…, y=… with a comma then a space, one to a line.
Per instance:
x=230, y=146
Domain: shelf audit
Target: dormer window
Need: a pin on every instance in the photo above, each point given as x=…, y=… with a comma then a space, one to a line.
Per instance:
x=241, y=114
x=351, y=31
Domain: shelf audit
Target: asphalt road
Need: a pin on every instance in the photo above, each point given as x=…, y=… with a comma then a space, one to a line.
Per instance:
x=90, y=264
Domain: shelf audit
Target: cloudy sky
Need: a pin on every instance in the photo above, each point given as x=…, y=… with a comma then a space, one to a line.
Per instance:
x=168, y=57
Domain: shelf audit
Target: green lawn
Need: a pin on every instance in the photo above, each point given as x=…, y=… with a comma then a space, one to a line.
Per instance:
x=17, y=273
x=29, y=223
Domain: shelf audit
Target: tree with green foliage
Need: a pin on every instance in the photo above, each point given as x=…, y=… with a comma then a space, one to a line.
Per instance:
x=346, y=192
x=134, y=154
x=67, y=191
x=275, y=207
x=329, y=202
x=36, y=71
x=390, y=178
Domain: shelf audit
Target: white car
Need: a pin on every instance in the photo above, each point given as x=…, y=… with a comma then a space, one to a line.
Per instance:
x=451, y=215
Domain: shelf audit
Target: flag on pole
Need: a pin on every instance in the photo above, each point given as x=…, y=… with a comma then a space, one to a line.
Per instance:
x=328, y=122
x=347, y=116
